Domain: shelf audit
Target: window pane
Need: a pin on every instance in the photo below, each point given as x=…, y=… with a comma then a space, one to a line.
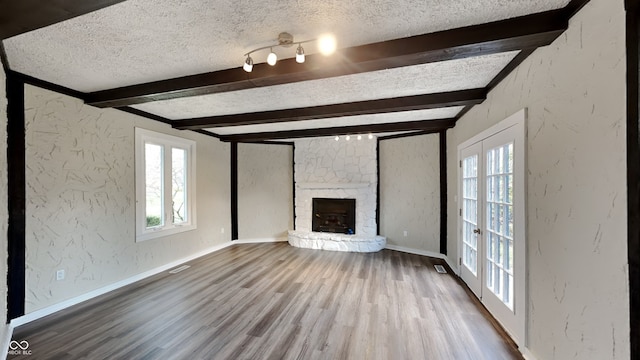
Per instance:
x=154, y=186
x=179, y=185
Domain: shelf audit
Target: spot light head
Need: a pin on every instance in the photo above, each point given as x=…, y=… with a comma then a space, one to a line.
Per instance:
x=370, y=136
x=272, y=58
x=337, y=138
x=248, y=64
x=300, y=54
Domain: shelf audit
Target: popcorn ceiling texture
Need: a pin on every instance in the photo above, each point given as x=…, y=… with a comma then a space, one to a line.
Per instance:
x=410, y=192
x=574, y=90
x=145, y=40
x=469, y=73
x=326, y=168
x=80, y=199
x=431, y=114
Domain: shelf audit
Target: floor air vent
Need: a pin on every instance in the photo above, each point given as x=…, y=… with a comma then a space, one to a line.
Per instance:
x=440, y=269
x=178, y=269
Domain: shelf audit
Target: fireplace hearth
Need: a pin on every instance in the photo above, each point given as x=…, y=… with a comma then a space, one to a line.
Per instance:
x=334, y=215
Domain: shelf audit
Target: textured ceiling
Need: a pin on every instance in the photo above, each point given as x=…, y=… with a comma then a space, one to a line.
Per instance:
x=406, y=81
x=138, y=41
x=432, y=114
x=143, y=40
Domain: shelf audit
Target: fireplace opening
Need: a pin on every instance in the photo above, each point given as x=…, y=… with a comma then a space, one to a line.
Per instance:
x=334, y=215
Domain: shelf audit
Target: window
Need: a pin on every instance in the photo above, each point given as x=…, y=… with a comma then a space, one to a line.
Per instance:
x=165, y=184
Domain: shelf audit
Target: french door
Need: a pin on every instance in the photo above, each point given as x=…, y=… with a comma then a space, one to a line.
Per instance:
x=492, y=242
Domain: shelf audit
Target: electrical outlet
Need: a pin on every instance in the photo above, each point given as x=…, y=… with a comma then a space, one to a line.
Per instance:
x=60, y=274
x=405, y=233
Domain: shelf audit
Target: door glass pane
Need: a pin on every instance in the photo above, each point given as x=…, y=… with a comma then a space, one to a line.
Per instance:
x=499, y=222
x=179, y=185
x=470, y=213
x=154, y=187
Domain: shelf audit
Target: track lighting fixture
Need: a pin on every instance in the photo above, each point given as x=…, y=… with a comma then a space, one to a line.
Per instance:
x=348, y=137
x=327, y=45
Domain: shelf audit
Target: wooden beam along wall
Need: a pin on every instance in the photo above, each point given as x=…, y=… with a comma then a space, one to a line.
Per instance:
x=408, y=103
x=525, y=32
x=423, y=125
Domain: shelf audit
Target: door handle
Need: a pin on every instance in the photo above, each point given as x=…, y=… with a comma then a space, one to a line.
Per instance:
x=476, y=231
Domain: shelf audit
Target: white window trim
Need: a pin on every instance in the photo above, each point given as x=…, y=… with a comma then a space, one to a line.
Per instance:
x=143, y=136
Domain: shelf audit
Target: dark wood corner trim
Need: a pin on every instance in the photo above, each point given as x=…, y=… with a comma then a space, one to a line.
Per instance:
x=443, y=192
x=293, y=181
x=633, y=172
x=16, y=165
x=378, y=186
x=234, y=191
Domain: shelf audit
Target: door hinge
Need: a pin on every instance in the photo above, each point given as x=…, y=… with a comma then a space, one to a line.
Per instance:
x=460, y=163
x=460, y=212
x=460, y=261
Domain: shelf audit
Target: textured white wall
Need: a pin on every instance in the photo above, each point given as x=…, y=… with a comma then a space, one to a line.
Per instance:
x=577, y=254
x=338, y=165
x=4, y=211
x=81, y=198
x=410, y=192
x=265, y=191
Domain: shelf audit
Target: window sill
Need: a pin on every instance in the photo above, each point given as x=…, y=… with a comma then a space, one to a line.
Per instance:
x=153, y=234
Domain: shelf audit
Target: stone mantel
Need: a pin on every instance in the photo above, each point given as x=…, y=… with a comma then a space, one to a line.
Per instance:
x=336, y=242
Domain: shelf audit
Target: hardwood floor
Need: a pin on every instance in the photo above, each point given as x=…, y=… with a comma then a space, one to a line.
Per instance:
x=274, y=301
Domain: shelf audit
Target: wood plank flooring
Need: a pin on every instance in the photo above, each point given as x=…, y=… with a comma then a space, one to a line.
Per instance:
x=274, y=301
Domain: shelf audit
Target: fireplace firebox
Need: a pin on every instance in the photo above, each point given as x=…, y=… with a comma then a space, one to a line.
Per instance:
x=334, y=215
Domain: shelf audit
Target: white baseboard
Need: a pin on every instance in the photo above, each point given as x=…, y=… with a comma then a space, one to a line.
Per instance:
x=256, y=241
x=103, y=290
x=423, y=253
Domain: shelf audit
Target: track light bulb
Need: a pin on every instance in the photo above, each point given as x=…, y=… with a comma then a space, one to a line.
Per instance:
x=272, y=58
x=248, y=64
x=337, y=138
x=359, y=137
x=327, y=44
x=370, y=136
x=347, y=137
x=300, y=54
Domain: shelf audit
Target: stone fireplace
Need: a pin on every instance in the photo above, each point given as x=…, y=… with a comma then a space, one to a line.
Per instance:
x=339, y=170
x=334, y=215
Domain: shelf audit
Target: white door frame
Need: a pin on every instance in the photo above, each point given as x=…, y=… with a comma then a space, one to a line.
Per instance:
x=517, y=123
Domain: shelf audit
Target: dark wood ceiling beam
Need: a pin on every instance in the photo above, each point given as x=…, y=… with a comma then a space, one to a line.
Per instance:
x=422, y=125
x=519, y=33
x=22, y=16
x=407, y=103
